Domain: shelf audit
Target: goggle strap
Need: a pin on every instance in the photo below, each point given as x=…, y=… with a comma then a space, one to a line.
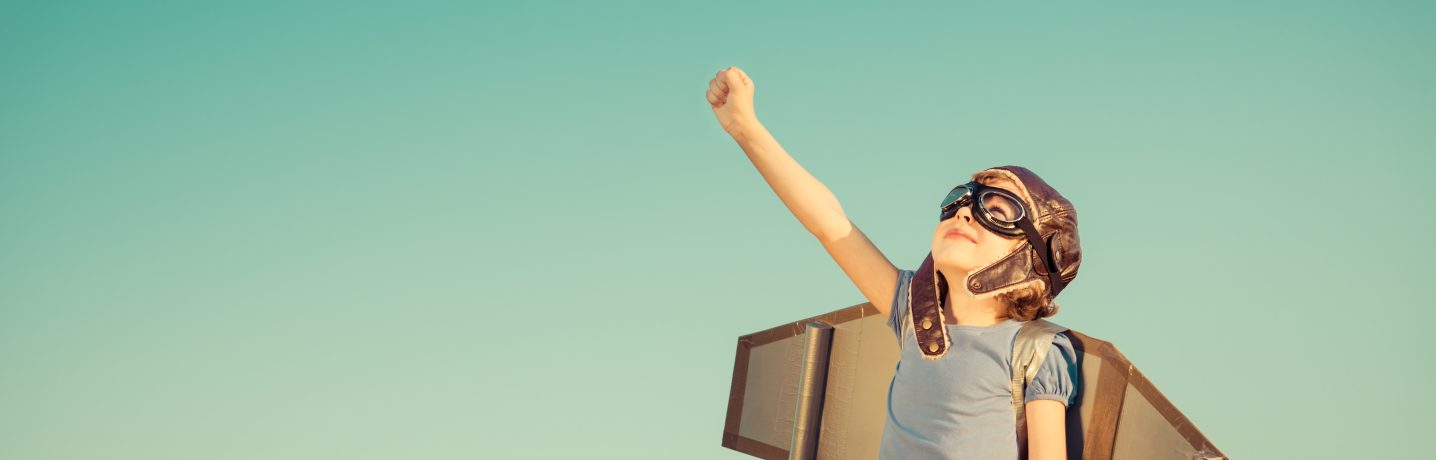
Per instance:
x=1044, y=252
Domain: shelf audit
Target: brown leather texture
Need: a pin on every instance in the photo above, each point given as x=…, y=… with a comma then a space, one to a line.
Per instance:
x=1056, y=221
x=923, y=303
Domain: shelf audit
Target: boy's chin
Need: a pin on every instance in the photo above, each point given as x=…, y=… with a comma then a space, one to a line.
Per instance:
x=952, y=265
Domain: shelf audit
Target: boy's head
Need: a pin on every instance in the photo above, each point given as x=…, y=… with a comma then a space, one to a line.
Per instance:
x=991, y=251
x=1022, y=225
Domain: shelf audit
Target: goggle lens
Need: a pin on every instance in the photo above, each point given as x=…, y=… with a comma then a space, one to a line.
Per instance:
x=1001, y=208
x=955, y=199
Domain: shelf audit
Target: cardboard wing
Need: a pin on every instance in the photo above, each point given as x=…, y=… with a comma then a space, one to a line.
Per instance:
x=817, y=388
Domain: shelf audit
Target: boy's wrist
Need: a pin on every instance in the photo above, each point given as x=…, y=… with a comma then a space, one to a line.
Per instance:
x=743, y=128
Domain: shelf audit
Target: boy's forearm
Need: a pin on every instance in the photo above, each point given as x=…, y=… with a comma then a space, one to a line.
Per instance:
x=807, y=198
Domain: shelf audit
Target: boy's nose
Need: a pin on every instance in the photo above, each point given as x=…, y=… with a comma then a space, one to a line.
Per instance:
x=961, y=218
x=964, y=212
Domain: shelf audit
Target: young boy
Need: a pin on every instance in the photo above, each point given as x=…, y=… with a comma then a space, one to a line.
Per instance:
x=950, y=395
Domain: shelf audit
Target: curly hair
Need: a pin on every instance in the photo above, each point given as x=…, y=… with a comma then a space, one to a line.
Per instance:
x=1028, y=302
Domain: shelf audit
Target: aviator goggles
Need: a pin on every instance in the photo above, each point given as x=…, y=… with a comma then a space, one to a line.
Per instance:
x=997, y=209
x=1005, y=214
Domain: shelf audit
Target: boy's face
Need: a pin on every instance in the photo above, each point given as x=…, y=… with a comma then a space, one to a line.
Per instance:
x=960, y=244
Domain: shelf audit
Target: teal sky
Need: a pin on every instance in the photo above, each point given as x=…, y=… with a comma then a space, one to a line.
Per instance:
x=514, y=230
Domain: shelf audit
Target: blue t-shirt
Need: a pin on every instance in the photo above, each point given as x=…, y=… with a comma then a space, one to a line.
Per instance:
x=960, y=406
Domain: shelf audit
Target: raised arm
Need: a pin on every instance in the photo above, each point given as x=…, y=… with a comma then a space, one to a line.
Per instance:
x=730, y=94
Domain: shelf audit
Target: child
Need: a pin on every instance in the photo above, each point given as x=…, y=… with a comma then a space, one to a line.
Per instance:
x=1008, y=237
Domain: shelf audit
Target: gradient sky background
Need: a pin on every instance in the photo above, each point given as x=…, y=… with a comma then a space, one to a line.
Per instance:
x=358, y=230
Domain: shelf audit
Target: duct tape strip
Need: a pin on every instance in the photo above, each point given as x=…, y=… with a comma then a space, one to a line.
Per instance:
x=812, y=385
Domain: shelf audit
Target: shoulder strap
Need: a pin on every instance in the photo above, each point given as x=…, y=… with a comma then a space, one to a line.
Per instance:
x=903, y=330
x=1028, y=350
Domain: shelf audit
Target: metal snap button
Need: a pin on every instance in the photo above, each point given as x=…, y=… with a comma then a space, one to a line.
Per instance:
x=932, y=347
x=926, y=323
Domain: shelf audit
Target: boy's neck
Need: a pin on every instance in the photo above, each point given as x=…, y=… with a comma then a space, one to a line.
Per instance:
x=967, y=310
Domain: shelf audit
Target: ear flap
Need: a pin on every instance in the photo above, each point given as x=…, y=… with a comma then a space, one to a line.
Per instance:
x=925, y=303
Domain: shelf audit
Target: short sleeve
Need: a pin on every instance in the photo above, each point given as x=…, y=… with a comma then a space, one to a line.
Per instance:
x=899, y=302
x=1057, y=378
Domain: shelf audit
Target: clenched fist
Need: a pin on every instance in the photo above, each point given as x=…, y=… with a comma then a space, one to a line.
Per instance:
x=730, y=93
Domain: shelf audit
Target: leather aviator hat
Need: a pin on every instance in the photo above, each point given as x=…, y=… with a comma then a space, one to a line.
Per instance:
x=1047, y=259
